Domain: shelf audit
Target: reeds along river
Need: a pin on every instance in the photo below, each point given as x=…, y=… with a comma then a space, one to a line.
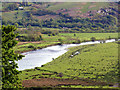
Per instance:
x=42, y=56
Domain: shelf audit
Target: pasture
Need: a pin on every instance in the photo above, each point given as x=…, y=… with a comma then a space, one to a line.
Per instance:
x=96, y=64
x=65, y=38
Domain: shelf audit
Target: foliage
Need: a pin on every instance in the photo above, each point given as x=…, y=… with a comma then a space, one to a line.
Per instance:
x=102, y=22
x=93, y=39
x=61, y=41
x=9, y=71
x=31, y=46
x=11, y=6
x=31, y=36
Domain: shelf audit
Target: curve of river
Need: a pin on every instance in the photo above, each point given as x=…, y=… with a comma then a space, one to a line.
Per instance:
x=42, y=56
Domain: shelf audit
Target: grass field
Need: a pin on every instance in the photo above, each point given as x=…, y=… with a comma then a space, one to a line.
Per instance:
x=11, y=16
x=95, y=6
x=66, y=38
x=65, y=5
x=84, y=7
x=96, y=62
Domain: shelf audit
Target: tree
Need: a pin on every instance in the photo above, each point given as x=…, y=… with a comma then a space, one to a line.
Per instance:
x=16, y=25
x=93, y=39
x=74, y=35
x=10, y=77
x=61, y=41
x=12, y=6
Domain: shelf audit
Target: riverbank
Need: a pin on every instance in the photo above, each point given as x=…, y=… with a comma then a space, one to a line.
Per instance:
x=35, y=45
x=95, y=62
x=64, y=38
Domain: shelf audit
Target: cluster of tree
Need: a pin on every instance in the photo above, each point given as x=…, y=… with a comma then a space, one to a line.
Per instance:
x=43, y=12
x=31, y=36
x=107, y=22
x=99, y=23
x=10, y=7
x=10, y=77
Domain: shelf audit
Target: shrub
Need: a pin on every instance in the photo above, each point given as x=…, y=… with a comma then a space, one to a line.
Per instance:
x=30, y=46
x=36, y=68
x=78, y=41
x=104, y=41
x=42, y=65
x=73, y=42
x=116, y=39
x=61, y=41
x=93, y=39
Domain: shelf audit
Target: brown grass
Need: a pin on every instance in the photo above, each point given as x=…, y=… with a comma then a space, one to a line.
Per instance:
x=53, y=82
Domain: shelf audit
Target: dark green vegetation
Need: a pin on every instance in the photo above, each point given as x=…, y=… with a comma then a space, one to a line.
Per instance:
x=72, y=17
x=98, y=62
x=31, y=36
x=10, y=77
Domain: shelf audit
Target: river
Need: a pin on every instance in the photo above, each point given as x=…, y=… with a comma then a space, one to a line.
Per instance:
x=42, y=56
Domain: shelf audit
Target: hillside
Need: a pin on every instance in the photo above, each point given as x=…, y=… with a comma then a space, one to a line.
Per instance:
x=92, y=16
x=86, y=64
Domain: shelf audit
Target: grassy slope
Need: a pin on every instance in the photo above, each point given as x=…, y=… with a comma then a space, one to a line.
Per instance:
x=66, y=37
x=96, y=6
x=97, y=62
x=84, y=6
x=10, y=16
x=66, y=5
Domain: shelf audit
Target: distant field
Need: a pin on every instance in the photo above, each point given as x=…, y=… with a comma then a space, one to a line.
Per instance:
x=84, y=7
x=94, y=6
x=10, y=16
x=87, y=36
x=65, y=5
x=66, y=38
x=71, y=6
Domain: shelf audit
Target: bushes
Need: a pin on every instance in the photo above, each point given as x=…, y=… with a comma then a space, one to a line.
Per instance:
x=116, y=39
x=78, y=41
x=30, y=38
x=31, y=46
x=61, y=41
x=93, y=39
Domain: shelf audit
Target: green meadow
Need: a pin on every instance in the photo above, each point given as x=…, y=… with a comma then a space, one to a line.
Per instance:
x=98, y=62
x=84, y=6
x=65, y=38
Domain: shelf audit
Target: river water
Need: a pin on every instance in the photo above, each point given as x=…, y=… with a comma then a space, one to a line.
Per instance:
x=42, y=56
